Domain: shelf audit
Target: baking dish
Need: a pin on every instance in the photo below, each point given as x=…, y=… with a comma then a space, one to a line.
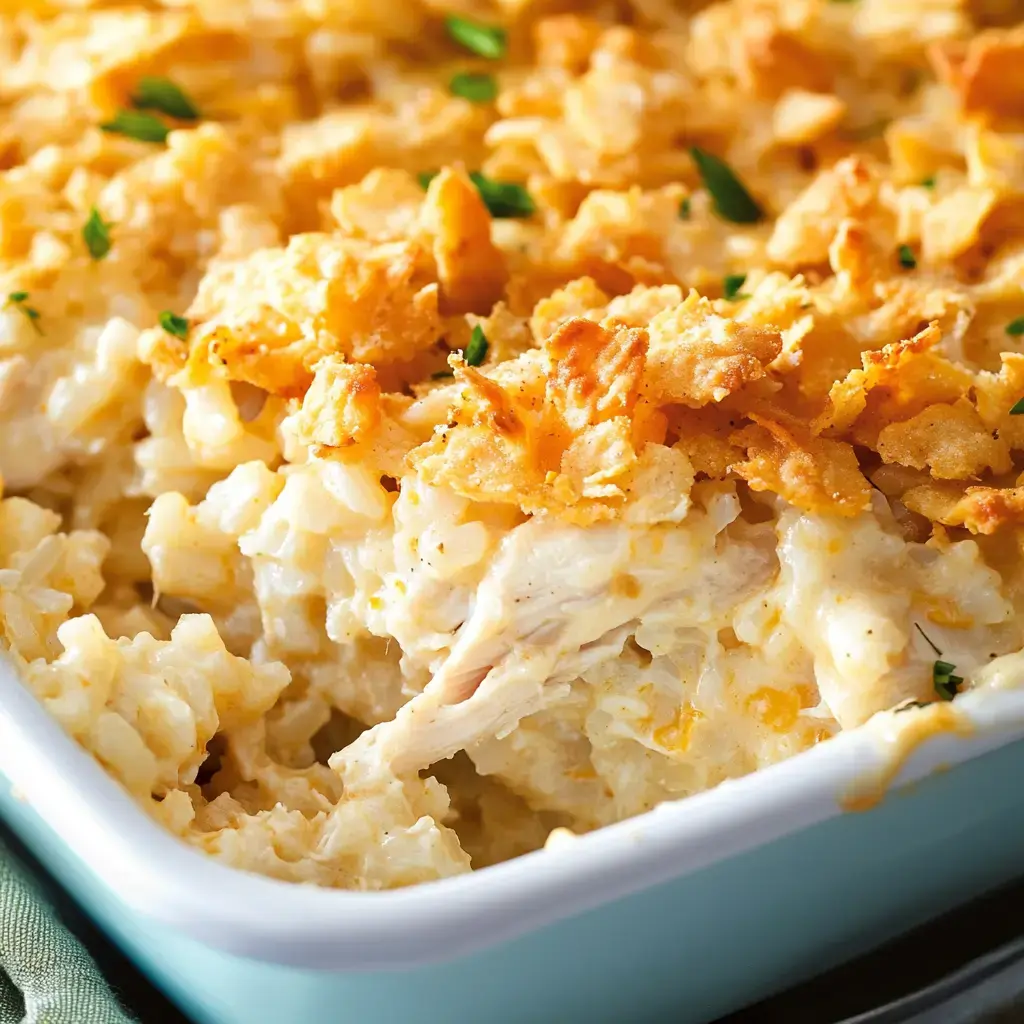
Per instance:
x=693, y=909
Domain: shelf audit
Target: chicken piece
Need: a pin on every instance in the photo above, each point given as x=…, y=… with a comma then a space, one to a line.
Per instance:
x=558, y=600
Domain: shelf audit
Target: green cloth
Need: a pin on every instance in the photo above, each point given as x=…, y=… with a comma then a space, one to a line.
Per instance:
x=46, y=977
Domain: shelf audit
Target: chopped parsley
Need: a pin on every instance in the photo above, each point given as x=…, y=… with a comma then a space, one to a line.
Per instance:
x=503, y=198
x=425, y=178
x=163, y=95
x=684, y=208
x=928, y=182
x=136, y=124
x=946, y=684
x=732, y=284
x=19, y=300
x=476, y=350
x=488, y=41
x=732, y=200
x=174, y=324
x=477, y=88
x=1017, y=408
x=907, y=258
x=1015, y=328
x=96, y=235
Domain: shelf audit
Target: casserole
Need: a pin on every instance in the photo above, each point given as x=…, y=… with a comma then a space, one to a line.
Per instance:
x=427, y=438
x=696, y=908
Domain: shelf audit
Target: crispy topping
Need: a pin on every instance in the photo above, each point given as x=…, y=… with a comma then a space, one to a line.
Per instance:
x=978, y=509
x=268, y=320
x=950, y=440
x=342, y=406
x=546, y=436
x=697, y=357
x=814, y=474
x=471, y=270
x=986, y=73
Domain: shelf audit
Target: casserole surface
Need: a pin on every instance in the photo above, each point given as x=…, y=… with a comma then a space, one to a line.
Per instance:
x=440, y=436
x=433, y=434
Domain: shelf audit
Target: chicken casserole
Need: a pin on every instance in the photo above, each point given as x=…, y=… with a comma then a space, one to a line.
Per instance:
x=430, y=427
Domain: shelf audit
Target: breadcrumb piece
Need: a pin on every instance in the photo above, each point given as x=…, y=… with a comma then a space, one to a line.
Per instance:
x=950, y=440
x=697, y=357
x=814, y=474
x=270, y=319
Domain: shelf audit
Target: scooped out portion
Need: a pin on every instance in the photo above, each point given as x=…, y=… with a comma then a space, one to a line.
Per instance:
x=421, y=435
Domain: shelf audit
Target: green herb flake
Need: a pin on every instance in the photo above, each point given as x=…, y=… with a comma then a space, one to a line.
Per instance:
x=488, y=41
x=96, y=234
x=1017, y=408
x=503, y=198
x=442, y=375
x=684, y=208
x=19, y=300
x=928, y=182
x=946, y=684
x=732, y=201
x=1015, y=328
x=477, y=88
x=907, y=258
x=163, y=95
x=136, y=124
x=476, y=350
x=731, y=286
x=174, y=324
x=425, y=178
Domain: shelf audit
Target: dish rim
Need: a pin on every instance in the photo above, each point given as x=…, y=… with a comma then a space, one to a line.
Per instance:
x=253, y=916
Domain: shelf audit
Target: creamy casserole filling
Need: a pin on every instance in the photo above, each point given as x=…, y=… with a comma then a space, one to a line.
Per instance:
x=424, y=430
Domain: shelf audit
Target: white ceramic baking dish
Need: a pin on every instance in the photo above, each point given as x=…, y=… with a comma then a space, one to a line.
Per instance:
x=693, y=910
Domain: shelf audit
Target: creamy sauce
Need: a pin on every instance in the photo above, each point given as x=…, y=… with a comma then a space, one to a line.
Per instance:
x=909, y=731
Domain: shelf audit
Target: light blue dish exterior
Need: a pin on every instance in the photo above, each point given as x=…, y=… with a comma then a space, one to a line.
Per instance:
x=689, y=950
